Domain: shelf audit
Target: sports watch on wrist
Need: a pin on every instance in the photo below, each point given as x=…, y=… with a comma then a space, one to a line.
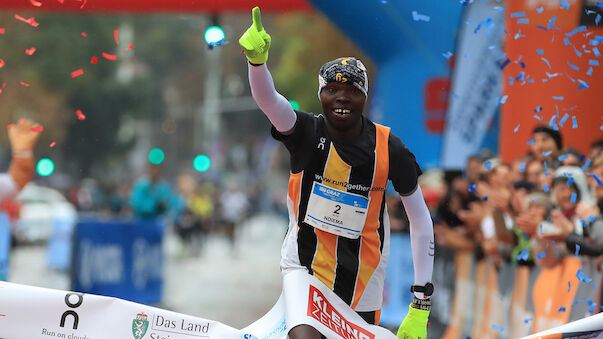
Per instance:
x=427, y=289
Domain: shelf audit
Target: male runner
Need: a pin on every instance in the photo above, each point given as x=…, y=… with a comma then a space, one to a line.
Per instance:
x=22, y=140
x=340, y=164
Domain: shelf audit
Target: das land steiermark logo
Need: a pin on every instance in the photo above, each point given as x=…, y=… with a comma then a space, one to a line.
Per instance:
x=140, y=326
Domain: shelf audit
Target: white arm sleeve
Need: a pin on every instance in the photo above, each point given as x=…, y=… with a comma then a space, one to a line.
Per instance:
x=273, y=104
x=421, y=237
x=8, y=187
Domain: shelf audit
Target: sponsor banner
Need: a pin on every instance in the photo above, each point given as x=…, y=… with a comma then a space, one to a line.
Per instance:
x=32, y=312
x=476, y=84
x=125, y=260
x=591, y=327
x=309, y=301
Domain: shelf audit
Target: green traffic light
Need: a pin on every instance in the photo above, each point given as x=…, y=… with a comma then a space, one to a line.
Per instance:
x=214, y=34
x=156, y=156
x=201, y=163
x=45, y=167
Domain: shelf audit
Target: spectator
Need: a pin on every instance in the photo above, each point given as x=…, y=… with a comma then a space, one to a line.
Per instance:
x=547, y=144
x=23, y=138
x=151, y=196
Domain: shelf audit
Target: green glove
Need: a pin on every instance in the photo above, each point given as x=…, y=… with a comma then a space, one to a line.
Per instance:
x=255, y=41
x=414, y=325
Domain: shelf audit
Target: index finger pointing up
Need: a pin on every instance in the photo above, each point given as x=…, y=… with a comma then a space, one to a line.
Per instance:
x=257, y=18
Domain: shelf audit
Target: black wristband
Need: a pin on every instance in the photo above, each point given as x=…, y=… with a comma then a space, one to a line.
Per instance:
x=421, y=304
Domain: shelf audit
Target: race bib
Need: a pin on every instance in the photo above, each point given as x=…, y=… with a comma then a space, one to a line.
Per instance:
x=336, y=212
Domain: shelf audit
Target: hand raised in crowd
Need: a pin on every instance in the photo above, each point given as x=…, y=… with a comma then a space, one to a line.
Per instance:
x=563, y=225
x=473, y=217
x=23, y=136
x=584, y=211
x=528, y=222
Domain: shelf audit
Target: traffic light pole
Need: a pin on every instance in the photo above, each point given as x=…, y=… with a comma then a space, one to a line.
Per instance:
x=208, y=122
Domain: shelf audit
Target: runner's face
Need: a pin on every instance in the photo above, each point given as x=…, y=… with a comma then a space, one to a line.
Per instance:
x=342, y=105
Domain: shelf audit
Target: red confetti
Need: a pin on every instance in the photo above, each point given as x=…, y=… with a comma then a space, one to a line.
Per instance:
x=24, y=84
x=94, y=60
x=30, y=51
x=2, y=30
x=1, y=63
x=37, y=129
x=109, y=56
x=52, y=144
x=80, y=115
x=83, y=3
x=21, y=121
x=61, y=1
x=130, y=47
x=35, y=3
x=2, y=87
x=10, y=126
x=31, y=21
x=84, y=34
x=116, y=36
x=77, y=73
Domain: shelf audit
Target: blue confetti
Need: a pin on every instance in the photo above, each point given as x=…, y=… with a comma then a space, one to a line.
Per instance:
x=577, y=52
x=593, y=62
x=524, y=255
x=562, y=121
x=540, y=51
x=541, y=27
x=551, y=75
x=561, y=309
x=485, y=198
x=596, y=51
x=586, y=164
x=570, y=181
x=591, y=219
x=447, y=55
x=530, y=142
x=499, y=8
x=582, y=277
x=599, y=183
x=516, y=128
x=541, y=255
x=592, y=305
x=471, y=188
x=505, y=63
x=598, y=19
x=497, y=328
x=546, y=154
x=589, y=72
x=420, y=17
x=574, y=122
x=567, y=42
x=583, y=222
x=537, y=117
x=562, y=157
x=538, y=109
x=540, y=9
x=503, y=99
x=522, y=166
x=573, y=198
x=593, y=42
x=546, y=187
x=552, y=22
x=558, y=98
x=574, y=67
x=576, y=30
x=599, y=38
x=599, y=4
x=518, y=14
x=576, y=254
x=547, y=62
x=527, y=320
x=583, y=84
x=523, y=21
x=564, y=4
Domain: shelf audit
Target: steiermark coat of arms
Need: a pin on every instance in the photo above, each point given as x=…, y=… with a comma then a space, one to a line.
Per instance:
x=140, y=326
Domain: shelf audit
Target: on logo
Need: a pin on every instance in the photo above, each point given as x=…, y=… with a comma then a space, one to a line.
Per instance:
x=76, y=318
x=321, y=144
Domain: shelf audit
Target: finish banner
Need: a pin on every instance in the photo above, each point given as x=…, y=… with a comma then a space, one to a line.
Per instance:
x=591, y=328
x=32, y=312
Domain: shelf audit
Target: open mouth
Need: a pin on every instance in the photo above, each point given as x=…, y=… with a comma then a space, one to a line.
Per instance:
x=341, y=112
